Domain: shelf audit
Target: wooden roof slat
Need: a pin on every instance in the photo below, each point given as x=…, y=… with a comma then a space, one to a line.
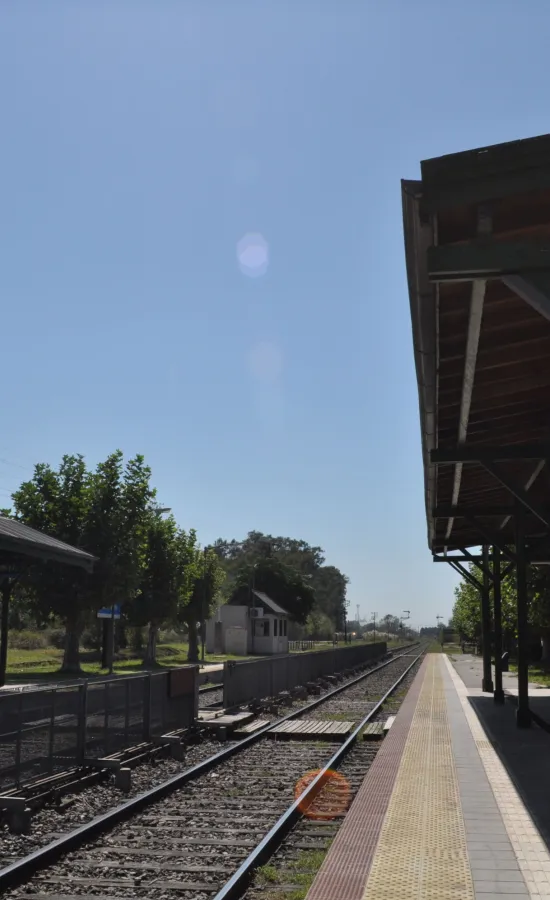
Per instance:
x=510, y=398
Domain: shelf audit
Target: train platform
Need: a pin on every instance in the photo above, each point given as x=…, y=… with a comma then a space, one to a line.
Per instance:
x=443, y=813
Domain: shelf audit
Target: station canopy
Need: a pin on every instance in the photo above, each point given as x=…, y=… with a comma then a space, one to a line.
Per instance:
x=17, y=539
x=477, y=244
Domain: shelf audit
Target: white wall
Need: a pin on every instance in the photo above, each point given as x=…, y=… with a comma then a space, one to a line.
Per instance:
x=237, y=618
x=236, y=640
x=234, y=615
x=268, y=644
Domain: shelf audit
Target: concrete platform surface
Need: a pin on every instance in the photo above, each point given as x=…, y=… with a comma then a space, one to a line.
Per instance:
x=438, y=815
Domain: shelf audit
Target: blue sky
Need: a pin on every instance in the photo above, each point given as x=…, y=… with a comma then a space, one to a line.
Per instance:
x=141, y=142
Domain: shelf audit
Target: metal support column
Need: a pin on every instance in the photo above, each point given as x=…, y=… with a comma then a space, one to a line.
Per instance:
x=487, y=683
x=499, y=693
x=523, y=714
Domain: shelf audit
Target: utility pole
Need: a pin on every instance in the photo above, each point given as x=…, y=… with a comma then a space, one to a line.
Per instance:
x=374, y=629
x=404, y=618
x=440, y=618
x=203, y=610
x=345, y=623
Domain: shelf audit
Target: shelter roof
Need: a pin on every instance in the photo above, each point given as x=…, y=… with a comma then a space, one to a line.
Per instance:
x=17, y=538
x=477, y=245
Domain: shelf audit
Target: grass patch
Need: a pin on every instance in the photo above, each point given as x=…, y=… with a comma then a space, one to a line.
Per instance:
x=537, y=675
x=267, y=875
x=392, y=644
x=449, y=649
x=300, y=872
x=337, y=717
x=41, y=663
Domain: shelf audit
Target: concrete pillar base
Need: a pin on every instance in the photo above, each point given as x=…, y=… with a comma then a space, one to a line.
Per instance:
x=123, y=779
x=487, y=685
x=19, y=821
x=523, y=718
x=499, y=697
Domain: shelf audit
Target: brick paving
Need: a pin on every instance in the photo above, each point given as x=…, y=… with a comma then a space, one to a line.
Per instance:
x=344, y=872
x=438, y=761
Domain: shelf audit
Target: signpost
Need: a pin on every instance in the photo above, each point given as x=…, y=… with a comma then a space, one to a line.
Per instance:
x=109, y=614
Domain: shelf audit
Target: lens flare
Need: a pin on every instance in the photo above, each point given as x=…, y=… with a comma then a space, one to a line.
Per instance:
x=332, y=800
x=253, y=255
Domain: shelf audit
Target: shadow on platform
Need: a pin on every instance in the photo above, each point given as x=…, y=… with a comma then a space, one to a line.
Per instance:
x=525, y=753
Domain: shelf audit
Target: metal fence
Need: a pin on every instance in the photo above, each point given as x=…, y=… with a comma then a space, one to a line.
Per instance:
x=259, y=678
x=46, y=730
x=300, y=645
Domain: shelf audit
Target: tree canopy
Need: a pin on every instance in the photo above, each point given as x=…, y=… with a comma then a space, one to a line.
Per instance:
x=147, y=564
x=466, y=617
x=290, y=567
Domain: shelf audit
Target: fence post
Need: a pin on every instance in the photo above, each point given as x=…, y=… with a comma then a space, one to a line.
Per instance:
x=147, y=707
x=127, y=710
x=52, y=727
x=82, y=722
x=106, y=721
x=18, y=744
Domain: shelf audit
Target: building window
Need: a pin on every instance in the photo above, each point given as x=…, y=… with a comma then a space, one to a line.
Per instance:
x=284, y=622
x=275, y=627
x=266, y=627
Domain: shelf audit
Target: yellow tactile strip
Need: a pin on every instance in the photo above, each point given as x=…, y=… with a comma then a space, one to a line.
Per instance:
x=422, y=850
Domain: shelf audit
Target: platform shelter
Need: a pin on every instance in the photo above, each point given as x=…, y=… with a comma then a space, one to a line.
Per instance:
x=19, y=546
x=477, y=243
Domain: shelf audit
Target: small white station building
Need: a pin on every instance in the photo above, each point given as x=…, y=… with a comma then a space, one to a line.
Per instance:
x=251, y=623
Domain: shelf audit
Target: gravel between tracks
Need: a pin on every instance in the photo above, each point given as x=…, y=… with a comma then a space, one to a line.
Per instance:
x=187, y=845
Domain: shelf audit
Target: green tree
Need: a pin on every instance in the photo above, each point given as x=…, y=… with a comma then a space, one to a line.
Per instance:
x=57, y=502
x=103, y=512
x=330, y=586
x=328, y=583
x=466, y=615
x=206, y=576
x=289, y=588
x=318, y=626
x=159, y=589
x=539, y=607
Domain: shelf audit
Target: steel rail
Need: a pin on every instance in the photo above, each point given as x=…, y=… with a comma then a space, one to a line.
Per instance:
x=240, y=881
x=21, y=870
x=207, y=688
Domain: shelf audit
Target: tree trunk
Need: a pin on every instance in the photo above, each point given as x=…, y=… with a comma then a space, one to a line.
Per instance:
x=193, y=653
x=71, y=655
x=151, y=651
x=545, y=644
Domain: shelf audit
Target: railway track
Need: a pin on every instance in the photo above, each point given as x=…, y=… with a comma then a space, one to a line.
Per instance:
x=201, y=834
x=211, y=696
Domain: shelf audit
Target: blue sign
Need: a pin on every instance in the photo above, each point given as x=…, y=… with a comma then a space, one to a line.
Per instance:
x=107, y=612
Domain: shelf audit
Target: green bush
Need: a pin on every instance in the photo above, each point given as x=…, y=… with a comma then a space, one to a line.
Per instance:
x=56, y=638
x=170, y=636
x=27, y=640
x=90, y=638
x=137, y=640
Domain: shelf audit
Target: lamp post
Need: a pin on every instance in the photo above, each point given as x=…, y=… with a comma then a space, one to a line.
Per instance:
x=440, y=619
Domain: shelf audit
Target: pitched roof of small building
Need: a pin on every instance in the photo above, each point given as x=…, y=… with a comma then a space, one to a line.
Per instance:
x=271, y=605
x=264, y=599
x=15, y=537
